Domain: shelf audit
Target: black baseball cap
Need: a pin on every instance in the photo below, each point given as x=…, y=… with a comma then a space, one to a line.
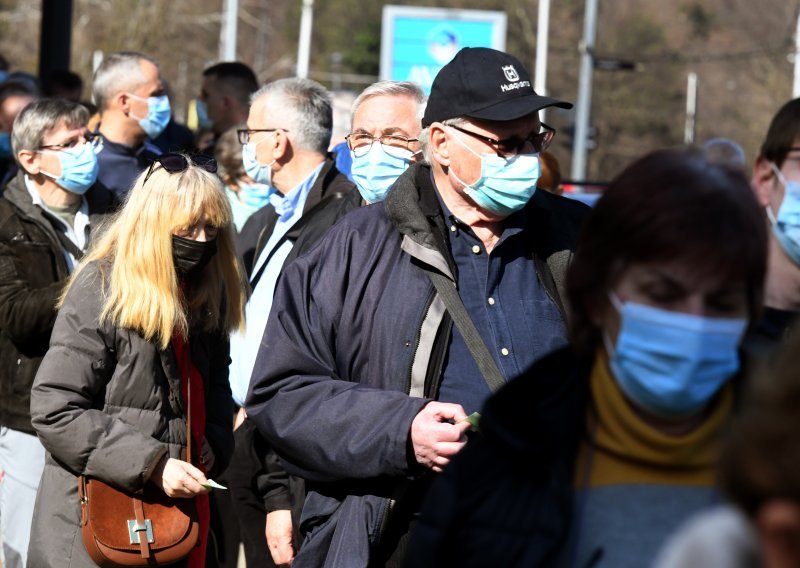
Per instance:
x=486, y=84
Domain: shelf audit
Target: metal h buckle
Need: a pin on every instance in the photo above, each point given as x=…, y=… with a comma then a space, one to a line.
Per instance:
x=134, y=529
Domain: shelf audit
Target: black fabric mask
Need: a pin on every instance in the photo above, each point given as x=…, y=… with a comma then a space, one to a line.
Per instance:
x=190, y=257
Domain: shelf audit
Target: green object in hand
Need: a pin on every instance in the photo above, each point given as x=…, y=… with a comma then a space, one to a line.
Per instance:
x=474, y=421
x=213, y=485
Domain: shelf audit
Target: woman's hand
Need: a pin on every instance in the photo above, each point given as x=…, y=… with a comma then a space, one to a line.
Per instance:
x=179, y=479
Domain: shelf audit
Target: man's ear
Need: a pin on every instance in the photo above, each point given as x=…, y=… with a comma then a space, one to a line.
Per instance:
x=439, y=144
x=763, y=180
x=280, y=145
x=778, y=525
x=121, y=101
x=29, y=161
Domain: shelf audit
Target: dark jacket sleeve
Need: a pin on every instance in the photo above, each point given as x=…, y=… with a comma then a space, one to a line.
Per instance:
x=68, y=392
x=27, y=312
x=219, y=405
x=325, y=422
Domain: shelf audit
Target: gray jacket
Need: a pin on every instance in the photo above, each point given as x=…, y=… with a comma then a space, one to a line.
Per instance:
x=106, y=403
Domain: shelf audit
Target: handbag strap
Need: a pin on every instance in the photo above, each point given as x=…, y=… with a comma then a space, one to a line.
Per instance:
x=188, y=403
x=141, y=522
x=466, y=327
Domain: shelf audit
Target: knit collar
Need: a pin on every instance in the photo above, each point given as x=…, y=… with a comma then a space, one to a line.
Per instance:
x=618, y=430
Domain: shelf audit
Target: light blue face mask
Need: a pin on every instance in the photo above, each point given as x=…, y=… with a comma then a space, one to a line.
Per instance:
x=79, y=168
x=255, y=195
x=158, y=116
x=505, y=185
x=670, y=363
x=5, y=146
x=256, y=171
x=786, y=227
x=201, y=109
x=376, y=171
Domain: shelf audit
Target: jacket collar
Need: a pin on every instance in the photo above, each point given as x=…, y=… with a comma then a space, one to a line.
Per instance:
x=414, y=210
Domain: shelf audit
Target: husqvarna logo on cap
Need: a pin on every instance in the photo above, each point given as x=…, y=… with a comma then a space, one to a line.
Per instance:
x=510, y=73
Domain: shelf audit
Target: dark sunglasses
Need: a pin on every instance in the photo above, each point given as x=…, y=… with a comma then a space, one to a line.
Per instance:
x=174, y=163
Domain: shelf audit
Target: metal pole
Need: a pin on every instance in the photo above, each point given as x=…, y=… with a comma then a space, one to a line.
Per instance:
x=56, y=36
x=228, y=31
x=584, y=93
x=304, y=44
x=796, y=87
x=542, y=32
x=691, y=108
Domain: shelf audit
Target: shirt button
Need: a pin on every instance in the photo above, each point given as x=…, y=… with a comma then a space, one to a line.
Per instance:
x=476, y=249
x=453, y=228
x=504, y=352
x=491, y=301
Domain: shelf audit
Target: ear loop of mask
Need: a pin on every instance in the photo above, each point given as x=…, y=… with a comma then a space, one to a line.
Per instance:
x=467, y=186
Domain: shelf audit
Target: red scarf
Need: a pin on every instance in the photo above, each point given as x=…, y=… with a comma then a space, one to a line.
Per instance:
x=197, y=559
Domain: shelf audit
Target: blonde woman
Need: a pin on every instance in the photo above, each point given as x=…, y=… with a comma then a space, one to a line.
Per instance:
x=145, y=316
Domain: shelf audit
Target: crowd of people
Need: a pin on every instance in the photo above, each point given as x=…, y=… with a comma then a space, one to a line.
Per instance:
x=405, y=348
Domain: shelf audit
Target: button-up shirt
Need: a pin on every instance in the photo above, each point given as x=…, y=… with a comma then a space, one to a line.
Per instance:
x=515, y=316
x=266, y=269
x=78, y=233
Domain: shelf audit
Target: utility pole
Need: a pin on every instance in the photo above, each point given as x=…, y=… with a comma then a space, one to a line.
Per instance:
x=584, y=105
x=542, y=33
x=691, y=108
x=304, y=44
x=228, y=31
x=796, y=86
x=56, y=36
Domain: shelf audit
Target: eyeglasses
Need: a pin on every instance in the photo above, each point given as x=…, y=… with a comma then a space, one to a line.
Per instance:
x=246, y=133
x=361, y=142
x=174, y=163
x=510, y=147
x=88, y=138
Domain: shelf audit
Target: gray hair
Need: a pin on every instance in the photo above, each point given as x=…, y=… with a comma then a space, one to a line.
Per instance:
x=42, y=116
x=118, y=72
x=392, y=88
x=424, y=137
x=304, y=108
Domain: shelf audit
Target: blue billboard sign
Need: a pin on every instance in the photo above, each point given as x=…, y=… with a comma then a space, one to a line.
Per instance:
x=417, y=42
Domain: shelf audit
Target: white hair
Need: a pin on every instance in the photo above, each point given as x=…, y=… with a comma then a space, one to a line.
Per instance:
x=118, y=72
x=304, y=108
x=392, y=88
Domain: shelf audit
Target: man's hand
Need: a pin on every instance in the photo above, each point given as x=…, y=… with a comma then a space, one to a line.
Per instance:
x=438, y=433
x=179, y=479
x=279, y=537
x=238, y=420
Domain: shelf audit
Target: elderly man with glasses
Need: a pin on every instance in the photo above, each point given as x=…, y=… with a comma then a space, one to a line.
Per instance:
x=363, y=384
x=45, y=225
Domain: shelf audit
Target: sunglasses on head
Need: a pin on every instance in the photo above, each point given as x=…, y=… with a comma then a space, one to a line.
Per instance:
x=174, y=163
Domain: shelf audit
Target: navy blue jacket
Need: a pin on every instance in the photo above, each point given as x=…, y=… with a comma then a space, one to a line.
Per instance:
x=354, y=349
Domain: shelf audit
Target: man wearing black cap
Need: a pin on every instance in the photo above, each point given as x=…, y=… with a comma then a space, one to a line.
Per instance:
x=362, y=383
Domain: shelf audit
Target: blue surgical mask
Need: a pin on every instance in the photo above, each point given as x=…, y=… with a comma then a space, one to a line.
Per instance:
x=255, y=195
x=256, y=171
x=670, y=363
x=786, y=226
x=79, y=168
x=376, y=171
x=201, y=109
x=158, y=116
x=505, y=184
x=5, y=146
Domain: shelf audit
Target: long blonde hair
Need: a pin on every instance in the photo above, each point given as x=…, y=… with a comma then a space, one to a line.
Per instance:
x=134, y=257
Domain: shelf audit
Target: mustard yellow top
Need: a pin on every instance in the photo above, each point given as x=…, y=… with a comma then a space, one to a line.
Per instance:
x=627, y=450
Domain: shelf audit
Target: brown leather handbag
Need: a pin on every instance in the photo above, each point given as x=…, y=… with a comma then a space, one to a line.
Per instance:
x=122, y=529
